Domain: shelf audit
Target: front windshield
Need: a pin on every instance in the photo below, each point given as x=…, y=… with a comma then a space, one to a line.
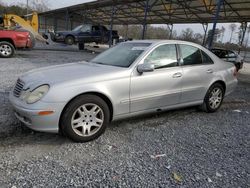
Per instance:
x=77, y=28
x=122, y=55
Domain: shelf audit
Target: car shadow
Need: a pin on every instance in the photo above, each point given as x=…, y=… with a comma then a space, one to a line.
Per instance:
x=155, y=118
x=21, y=135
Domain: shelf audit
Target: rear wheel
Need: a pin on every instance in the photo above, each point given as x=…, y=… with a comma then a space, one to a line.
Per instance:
x=213, y=98
x=69, y=40
x=85, y=118
x=7, y=50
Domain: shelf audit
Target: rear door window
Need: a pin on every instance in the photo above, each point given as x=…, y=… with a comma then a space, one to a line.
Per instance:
x=190, y=55
x=206, y=59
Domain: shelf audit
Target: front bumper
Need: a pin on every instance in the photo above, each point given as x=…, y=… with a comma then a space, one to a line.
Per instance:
x=28, y=114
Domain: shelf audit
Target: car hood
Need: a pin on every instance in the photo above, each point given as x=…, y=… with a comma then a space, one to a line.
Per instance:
x=71, y=73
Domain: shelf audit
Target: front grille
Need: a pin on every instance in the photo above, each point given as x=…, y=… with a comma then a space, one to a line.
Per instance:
x=18, y=88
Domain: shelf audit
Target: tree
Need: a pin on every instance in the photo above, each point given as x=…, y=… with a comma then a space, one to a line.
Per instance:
x=20, y=8
x=222, y=31
x=247, y=38
x=157, y=32
x=39, y=5
x=135, y=32
x=198, y=38
x=209, y=35
x=232, y=28
x=187, y=34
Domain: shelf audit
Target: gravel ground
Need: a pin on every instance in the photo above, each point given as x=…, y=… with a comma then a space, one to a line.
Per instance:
x=181, y=148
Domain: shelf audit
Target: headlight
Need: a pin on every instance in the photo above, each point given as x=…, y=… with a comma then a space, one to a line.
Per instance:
x=37, y=94
x=57, y=34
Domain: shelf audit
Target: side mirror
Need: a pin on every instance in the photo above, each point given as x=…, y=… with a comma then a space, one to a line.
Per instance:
x=145, y=67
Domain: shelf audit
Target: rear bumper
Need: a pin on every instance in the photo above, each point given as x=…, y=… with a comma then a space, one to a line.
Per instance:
x=230, y=87
x=29, y=43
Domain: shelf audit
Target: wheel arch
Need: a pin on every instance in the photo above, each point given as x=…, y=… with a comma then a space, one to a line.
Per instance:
x=8, y=40
x=222, y=83
x=101, y=95
x=70, y=35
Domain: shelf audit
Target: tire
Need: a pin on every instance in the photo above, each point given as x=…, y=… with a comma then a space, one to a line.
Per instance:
x=81, y=46
x=70, y=40
x=79, y=123
x=209, y=105
x=7, y=50
x=105, y=39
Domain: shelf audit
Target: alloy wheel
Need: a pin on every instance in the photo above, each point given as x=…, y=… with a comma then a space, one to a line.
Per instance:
x=5, y=50
x=215, y=98
x=87, y=119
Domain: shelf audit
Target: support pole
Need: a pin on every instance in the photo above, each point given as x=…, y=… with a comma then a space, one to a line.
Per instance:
x=145, y=20
x=67, y=19
x=45, y=24
x=170, y=27
x=219, y=2
x=27, y=8
x=111, y=26
x=126, y=32
x=244, y=29
x=205, y=26
x=55, y=24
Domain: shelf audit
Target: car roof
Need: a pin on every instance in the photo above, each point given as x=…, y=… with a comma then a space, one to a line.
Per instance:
x=163, y=41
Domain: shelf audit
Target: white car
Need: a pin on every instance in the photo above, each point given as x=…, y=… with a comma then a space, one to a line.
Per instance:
x=136, y=77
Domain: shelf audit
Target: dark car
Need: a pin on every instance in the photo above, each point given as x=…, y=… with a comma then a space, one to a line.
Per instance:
x=85, y=34
x=229, y=56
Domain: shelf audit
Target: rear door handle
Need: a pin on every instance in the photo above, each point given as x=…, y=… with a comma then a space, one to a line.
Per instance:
x=210, y=71
x=177, y=75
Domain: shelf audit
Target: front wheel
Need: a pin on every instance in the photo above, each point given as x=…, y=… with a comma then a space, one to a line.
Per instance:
x=85, y=118
x=69, y=40
x=7, y=50
x=213, y=98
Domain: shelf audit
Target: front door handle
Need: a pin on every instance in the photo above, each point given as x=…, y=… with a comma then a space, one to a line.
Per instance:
x=210, y=71
x=177, y=75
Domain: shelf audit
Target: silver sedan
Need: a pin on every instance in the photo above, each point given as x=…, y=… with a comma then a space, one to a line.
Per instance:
x=138, y=77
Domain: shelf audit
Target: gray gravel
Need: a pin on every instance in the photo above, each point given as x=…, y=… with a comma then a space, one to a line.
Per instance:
x=181, y=148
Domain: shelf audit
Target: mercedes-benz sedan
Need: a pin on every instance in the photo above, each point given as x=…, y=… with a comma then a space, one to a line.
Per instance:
x=136, y=77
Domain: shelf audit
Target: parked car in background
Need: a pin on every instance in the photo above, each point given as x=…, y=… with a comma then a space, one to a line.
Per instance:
x=132, y=78
x=84, y=34
x=10, y=40
x=229, y=56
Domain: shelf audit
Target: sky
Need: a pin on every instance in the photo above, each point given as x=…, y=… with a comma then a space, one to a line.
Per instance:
x=197, y=28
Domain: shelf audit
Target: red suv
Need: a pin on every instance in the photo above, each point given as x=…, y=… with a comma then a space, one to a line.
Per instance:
x=10, y=40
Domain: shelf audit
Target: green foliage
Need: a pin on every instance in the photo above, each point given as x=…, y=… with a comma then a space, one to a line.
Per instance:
x=13, y=9
x=135, y=32
x=20, y=9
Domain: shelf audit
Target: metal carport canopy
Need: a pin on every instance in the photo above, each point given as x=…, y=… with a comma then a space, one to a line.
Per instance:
x=158, y=11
